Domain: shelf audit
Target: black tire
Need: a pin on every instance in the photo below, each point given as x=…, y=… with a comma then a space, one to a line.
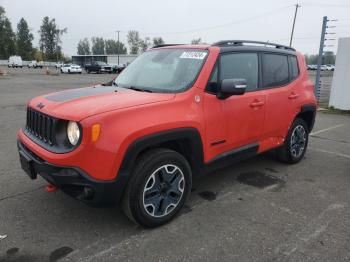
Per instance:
x=145, y=171
x=293, y=151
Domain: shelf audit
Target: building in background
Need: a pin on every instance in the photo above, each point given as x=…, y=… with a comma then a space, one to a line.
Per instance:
x=82, y=60
x=340, y=91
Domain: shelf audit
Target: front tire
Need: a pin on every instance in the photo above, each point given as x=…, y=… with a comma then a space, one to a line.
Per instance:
x=295, y=144
x=158, y=188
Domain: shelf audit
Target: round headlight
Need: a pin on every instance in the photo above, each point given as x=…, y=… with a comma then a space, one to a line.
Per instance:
x=73, y=132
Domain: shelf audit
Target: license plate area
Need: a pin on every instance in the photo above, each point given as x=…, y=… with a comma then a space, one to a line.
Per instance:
x=27, y=165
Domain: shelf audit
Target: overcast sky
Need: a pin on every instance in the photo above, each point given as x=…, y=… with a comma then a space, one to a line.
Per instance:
x=180, y=21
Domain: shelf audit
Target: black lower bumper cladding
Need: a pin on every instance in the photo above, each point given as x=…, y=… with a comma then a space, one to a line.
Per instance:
x=73, y=181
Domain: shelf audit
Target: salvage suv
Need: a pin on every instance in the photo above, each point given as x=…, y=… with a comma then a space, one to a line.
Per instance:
x=176, y=112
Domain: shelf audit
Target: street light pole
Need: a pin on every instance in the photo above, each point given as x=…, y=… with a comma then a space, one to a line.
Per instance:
x=295, y=17
x=118, y=46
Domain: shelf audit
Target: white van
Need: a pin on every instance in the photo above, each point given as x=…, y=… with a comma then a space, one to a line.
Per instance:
x=15, y=61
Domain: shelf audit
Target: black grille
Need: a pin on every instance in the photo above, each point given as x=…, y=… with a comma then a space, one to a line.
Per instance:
x=41, y=126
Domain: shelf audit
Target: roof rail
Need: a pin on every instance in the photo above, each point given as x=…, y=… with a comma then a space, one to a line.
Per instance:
x=242, y=42
x=163, y=45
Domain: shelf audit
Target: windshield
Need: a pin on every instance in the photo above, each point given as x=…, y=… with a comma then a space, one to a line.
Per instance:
x=165, y=70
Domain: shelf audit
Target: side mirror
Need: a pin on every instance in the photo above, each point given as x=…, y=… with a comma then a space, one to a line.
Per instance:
x=232, y=87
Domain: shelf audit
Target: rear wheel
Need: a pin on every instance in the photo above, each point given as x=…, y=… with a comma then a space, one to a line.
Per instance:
x=295, y=144
x=158, y=188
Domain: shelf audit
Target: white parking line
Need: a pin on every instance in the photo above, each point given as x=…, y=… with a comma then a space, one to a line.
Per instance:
x=330, y=152
x=326, y=129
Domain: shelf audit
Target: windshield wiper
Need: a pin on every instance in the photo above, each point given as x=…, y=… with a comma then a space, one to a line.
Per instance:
x=138, y=89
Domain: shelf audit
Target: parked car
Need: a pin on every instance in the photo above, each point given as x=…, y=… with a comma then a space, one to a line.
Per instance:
x=35, y=64
x=71, y=68
x=173, y=114
x=58, y=65
x=117, y=68
x=312, y=67
x=330, y=67
x=98, y=67
x=15, y=61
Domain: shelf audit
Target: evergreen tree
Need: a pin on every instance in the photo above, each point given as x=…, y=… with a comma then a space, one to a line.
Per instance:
x=50, y=39
x=158, y=41
x=112, y=47
x=7, y=36
x=24, y=40
x=133, y=41
x=84, y=47
x=98, y=46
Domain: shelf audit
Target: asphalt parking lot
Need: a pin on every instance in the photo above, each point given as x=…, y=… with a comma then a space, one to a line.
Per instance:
x=258, y=210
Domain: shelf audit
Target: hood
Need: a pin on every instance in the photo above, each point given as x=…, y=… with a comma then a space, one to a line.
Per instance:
x=77, y=104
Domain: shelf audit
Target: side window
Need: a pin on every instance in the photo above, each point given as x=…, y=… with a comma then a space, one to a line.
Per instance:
x=240, y=65
x=294, y=67
x=275, y=70
x=212, y=86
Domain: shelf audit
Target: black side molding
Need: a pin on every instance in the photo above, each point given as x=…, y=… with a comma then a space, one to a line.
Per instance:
x=232, y=157
x=310, y=111
x=191, y=141
x=190, y=135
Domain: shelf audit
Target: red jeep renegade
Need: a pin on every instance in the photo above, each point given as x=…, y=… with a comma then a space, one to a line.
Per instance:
x=176, y=112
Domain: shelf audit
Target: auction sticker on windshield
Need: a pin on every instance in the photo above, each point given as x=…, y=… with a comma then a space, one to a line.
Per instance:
x=193, y=55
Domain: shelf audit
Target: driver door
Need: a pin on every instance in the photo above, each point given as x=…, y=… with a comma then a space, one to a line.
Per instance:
x=238, y=120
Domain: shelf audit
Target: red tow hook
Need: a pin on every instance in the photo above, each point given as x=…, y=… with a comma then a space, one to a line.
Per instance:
x=51, y=188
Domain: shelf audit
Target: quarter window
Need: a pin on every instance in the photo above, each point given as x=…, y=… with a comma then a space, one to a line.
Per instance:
x=294, y=67
x=240, y=65
x=275, y=70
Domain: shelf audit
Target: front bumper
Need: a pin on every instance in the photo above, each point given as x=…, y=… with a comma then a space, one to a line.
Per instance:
x=73, y=181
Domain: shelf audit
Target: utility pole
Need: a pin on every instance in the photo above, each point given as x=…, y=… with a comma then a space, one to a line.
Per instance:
x=118, y=31
x=295, y=17
x=320, y=58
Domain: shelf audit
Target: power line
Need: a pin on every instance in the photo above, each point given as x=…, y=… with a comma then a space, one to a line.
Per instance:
x=238, y=21
x=324, y=5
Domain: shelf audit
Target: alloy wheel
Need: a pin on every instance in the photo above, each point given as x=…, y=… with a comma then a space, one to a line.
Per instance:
x=163, y=190
x=298, y=141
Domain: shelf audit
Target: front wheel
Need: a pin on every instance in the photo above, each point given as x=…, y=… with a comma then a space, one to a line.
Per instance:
x=158, y=188
x=295, y=144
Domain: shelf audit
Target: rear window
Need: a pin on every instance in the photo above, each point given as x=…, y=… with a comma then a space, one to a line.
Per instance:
x=275, y=70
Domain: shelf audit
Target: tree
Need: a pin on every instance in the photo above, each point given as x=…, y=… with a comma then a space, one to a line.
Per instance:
x=133, y=41
x=98, y=46
x=112, y=47
x=50, y=39
x=197, y=41
x=144, y=44
x=24, y=40
x=7, y=36
x=84, y=47
x=37, y=55
x=158, y=41
x=329, y=58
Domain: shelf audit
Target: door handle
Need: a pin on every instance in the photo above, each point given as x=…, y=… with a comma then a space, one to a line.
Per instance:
x=293, y=96
x=257, y=103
